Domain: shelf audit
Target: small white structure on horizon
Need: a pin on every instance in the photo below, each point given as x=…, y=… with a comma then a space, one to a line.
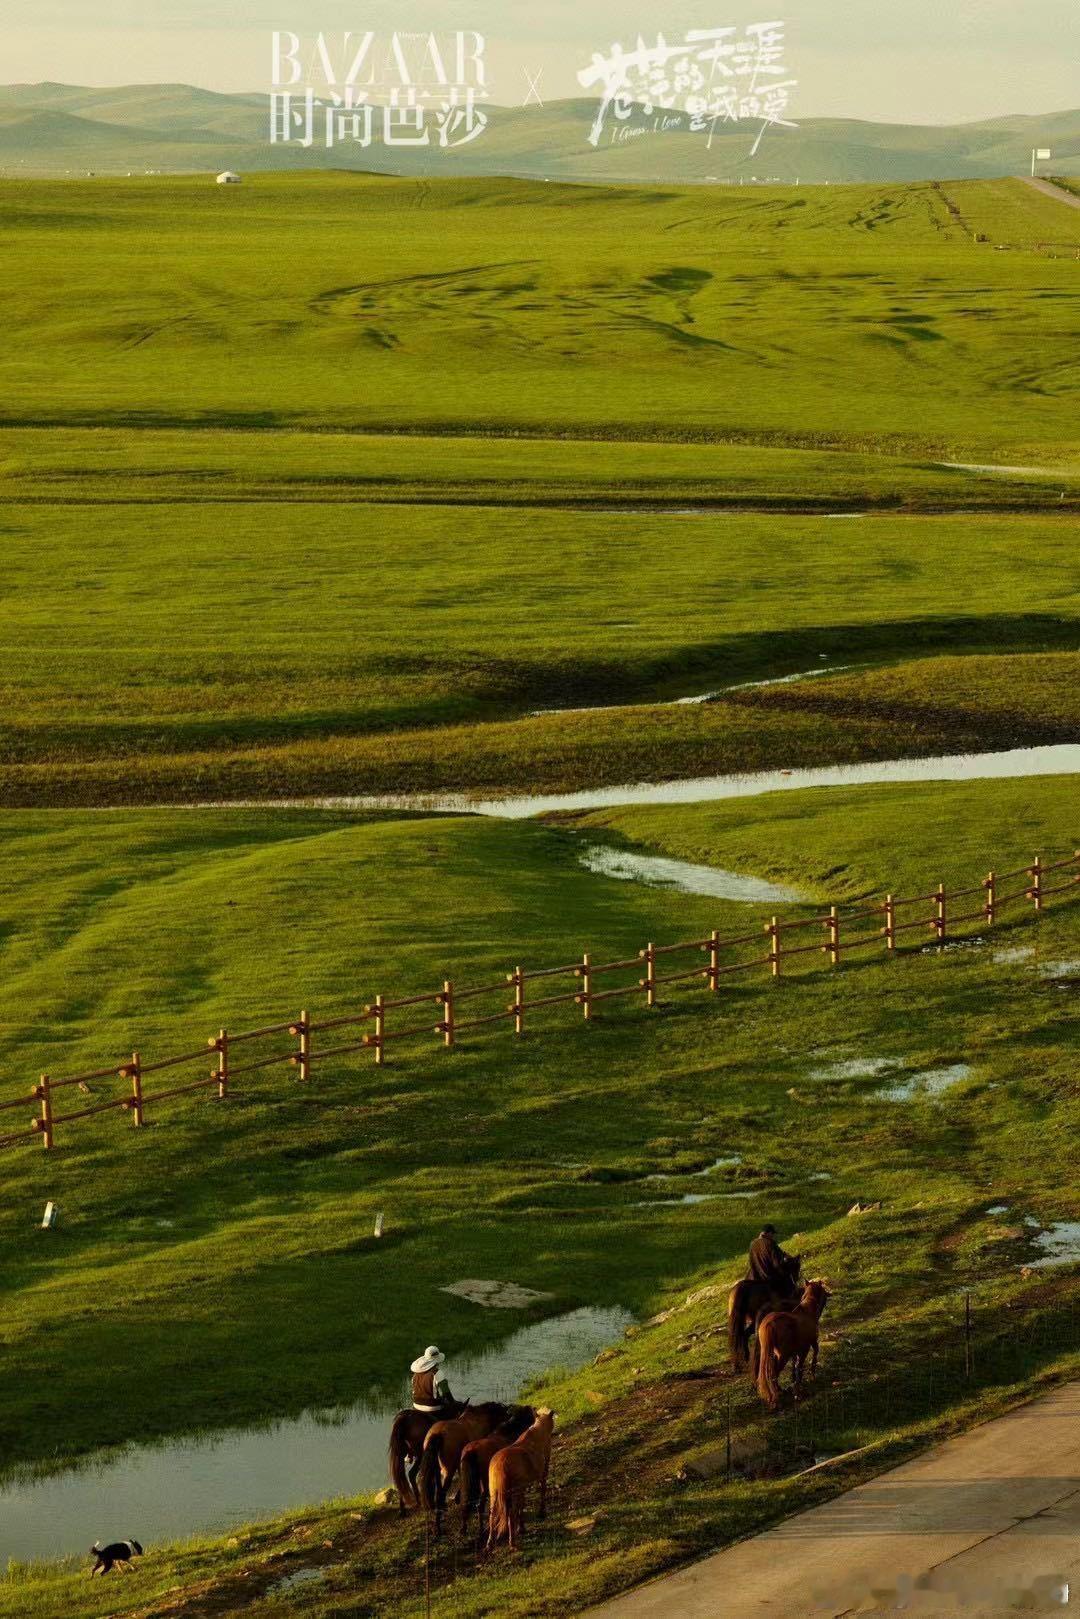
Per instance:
x=228, y=178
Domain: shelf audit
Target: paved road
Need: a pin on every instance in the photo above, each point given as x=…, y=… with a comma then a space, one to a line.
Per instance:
x=1050, y=190
x=965, y=1529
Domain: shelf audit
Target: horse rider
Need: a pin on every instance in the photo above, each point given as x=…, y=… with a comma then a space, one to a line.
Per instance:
x=768, y=1261
x=430, y=1390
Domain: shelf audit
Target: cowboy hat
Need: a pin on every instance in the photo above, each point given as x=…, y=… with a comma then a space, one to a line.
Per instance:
x=428, y=1361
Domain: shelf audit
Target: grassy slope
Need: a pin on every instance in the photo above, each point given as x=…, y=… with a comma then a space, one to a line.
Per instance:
x=861, y=314
x=315, y=654
x=158, y=927
x=317, y=649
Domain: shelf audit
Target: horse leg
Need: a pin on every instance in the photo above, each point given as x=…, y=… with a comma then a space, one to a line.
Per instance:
x=813, y=1358
x=543, y=1493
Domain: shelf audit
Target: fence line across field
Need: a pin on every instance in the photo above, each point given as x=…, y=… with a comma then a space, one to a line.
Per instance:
x=445, y=1024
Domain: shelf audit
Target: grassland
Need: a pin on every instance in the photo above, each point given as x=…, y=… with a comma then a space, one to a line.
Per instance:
x=406, y=649
x=315, y=488
x=858, y=316
x=479, y=1156
x=326, y=485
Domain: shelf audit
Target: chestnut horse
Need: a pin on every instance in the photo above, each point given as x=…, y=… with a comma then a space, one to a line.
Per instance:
x=443, y=1444
x=512, y=1470
x=748, y=1299
x=407, y=1437
x=790, y=1335
x=476, y=1459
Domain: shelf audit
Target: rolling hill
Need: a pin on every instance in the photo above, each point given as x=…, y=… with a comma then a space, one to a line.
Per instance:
x=62, y=128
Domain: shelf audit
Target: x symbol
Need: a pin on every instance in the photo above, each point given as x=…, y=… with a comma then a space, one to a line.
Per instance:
x=534, y=87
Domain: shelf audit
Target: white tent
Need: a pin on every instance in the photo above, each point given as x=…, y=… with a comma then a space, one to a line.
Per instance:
x=228, y=178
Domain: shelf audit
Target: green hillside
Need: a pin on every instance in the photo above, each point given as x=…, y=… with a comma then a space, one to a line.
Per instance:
x=142, y=123
x=241, y=1230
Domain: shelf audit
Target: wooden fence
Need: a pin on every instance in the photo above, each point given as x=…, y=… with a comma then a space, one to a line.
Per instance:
x=839, y=933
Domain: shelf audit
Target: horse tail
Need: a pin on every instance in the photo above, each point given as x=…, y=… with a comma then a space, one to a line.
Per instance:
x=768, y=1380
x=428, y=1475
x=736, y=1332
x=405, y=1491
x=498, y=1505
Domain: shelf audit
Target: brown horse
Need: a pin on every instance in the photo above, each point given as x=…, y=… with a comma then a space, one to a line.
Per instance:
x=748, y=1299
x=443, y=1444
x=790, y=1335
x=476, y=1459
x=407, y=1435
x=512, y=1470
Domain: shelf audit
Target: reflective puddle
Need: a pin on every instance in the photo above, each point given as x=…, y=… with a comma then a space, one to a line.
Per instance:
x=705, y=1197
x=680, y=874
x=1060, y=969
x=730, y=1162
x=856, y=1068
x=1060, y=1244
x=701, y=696
x=932, y=1082
x=211, y=1484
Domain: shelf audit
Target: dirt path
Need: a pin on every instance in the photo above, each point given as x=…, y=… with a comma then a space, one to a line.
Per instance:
x=996, y=1511
x=1050, y=190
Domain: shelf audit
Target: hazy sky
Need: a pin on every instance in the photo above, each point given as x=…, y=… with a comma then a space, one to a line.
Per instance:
x=920, y=61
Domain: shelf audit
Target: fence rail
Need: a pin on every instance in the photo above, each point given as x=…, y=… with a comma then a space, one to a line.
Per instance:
x=835, y=942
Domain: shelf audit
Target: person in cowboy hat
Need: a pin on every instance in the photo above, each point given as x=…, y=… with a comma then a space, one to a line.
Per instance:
x=430, y=1390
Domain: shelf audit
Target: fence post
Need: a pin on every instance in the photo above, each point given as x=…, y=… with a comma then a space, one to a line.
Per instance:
x=714, y=961
x=772, y=928
x=45, y=1123
x=447, y=998
x=586, y=986
x=890, y=922
x=380, y=1030
x=939, y=913
x=834, y=936
x=517, y=978
x=990, y=884
x=303, y=1056
x=1035, y=891
x=223, y=1064
x=135, y=1072
x=648, y=983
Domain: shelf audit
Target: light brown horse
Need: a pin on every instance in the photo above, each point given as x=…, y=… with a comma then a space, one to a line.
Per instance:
x=790, y=1335
x=406, y=1451
x=443, y=1444
x=512, y=1471
x=477, y=1456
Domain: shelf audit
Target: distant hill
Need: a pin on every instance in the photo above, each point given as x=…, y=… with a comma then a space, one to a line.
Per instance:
x=66, y=128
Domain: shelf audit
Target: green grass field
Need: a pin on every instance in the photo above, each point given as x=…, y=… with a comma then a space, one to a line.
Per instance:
x=327, y=485
x=453, y=482
x=863, y=316
x=404, y=647
x=517, y=1160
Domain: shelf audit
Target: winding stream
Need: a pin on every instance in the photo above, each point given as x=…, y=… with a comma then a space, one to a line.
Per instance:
x=1055, y=759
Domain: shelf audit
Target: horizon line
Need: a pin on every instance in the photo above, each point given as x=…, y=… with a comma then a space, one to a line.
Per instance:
x=185, y=84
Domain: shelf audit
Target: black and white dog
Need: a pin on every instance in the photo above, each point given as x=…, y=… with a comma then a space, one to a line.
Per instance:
x=118, y=1553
